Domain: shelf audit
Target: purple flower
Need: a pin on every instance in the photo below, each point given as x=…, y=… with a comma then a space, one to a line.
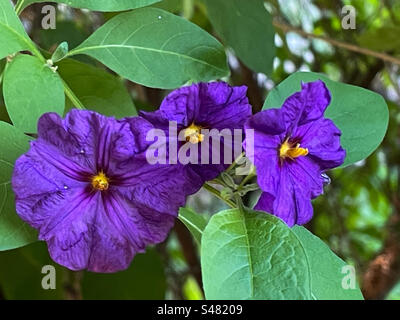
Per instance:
x=201, y=107
x=293, y=146
x=86, y=185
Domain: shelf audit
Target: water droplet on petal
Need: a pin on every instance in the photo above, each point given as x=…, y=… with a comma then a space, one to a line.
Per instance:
x=65, y=187
x=82, y=151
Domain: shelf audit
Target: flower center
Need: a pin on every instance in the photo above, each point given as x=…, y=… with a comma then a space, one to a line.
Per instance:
x=100, y=181
x=193, y=134
x=291, y=151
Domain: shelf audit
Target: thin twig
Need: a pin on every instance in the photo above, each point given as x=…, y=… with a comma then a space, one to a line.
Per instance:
x=340, y=44
x=189, y=251
x=72, y=97
x=216, y=193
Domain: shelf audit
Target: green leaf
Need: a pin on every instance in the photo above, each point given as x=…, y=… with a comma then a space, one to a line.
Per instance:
x=60, y=52
x=246, y=26
x=193, y=221
x=97, y=89
x=252, y=256
x=13, y=37
x=14, y=232
x=156, y=48
x=325, y=269
x=30, y=89
x=360, y=114
x=99, y=5
x=21, y=274
x=145, y=279
x=170, y=5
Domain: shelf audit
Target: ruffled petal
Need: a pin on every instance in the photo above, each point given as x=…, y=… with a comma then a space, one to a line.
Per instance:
x=291, y=202
x=181, y=106
x=265, y=202
x=55, y=136
x=222, y=106
x=271, y=122
x=307, y=175
x=307, y=105
x=163, y=186
x=269, y=132
x=101, y=232
x=211, y=106
x=322, y=139
x=85, y=141
x=123, y=228
x=40, y=187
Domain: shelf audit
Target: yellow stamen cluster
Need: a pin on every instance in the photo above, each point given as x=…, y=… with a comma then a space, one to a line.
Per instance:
x=100, y=181
x=291, y=151
x=193, y=134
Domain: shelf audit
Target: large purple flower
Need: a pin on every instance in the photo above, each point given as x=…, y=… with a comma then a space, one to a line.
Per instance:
x=201, y=107
x=86, y=185
x=293, y=146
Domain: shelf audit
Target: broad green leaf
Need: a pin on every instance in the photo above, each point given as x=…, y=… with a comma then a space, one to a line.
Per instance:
x=156, y=48
x=14, y=232
x=30, y=89
x=97, y=89
x=360, y=114
x=145, y=279
x=21, y=274
x=193, y=221
x=13, y=37
x=325, y=269
x=253, y=256
x=99, y=5
x=246, y=26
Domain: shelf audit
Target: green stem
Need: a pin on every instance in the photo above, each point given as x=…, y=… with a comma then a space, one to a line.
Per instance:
x=216, y=193
x=19, y=6
x=71, y=95
x=251, y=175
x=239, y=204
x=234, y=163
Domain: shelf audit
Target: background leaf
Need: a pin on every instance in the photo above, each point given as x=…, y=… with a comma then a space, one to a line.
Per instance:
x=12, y=32
x=144, y=279
x=252, y=256
x=97, y=89
x=325, y=269
x=246, y=26
x=360, y=114
x=30, y=89
x=14, y=232
x=100, y=5
x=21, y=273
x=193, y=221
x=156, y=48
x=382, y=39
